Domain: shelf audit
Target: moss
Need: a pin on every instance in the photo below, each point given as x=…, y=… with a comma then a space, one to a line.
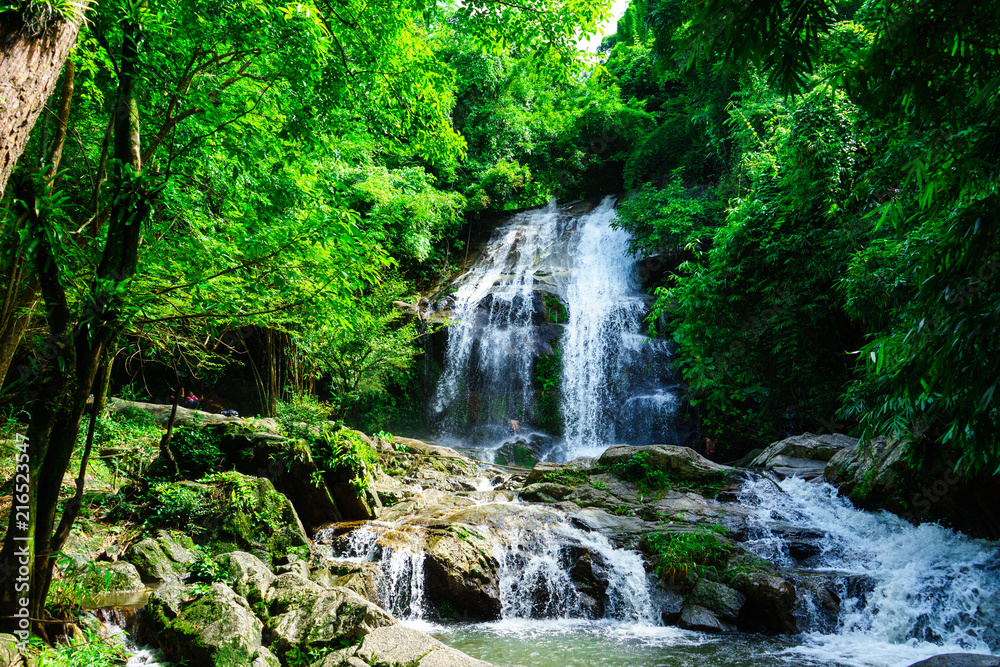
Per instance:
x=566, y=477
x=655, y=481
x=548, y=396
x=676, y=555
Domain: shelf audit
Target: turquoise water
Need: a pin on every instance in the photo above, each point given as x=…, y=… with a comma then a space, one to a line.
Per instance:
x=576, y=643
x=538, y=643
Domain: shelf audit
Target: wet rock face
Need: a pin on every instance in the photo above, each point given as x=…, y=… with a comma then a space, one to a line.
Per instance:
x=804, y=456
x=280, y=619
x=696, y=617
x=959, y=660
x=461, y=572
x=770, y=602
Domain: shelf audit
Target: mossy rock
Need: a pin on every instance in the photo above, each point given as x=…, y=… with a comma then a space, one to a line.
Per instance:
x=120, y=577
x=217, y=629
x=238, y=513
x=166, y=556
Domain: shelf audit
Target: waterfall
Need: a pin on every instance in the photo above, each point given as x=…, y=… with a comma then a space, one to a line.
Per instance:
x=549, y=280
x=401, y=584
x=538, y=577
x=928, y=589
x=603, y=335
x=554, y=571
x=487, y=379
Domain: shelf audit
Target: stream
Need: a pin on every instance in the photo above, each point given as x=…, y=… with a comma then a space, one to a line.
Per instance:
x=927, y=590
x=905, y=593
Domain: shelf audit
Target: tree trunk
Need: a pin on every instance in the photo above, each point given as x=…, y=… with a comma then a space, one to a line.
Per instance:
x=77, y=345
x=30, y=64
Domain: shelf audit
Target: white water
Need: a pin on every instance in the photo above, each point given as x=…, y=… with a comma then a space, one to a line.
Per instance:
x=534, y=574
x=401, y=584
x=535, y=581
x=491, y=346
x=616, y=384
x=932, y=590
x=603, y=336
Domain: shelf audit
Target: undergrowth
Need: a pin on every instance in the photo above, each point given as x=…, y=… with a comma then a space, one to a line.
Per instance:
x=676, y=555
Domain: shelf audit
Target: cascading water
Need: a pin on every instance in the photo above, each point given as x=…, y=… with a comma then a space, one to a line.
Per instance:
x=928, y=589
x=539, y=573
x=487, y=379
x=615, y=382
x=607, y=362
x=401, y=584
x=536, y=580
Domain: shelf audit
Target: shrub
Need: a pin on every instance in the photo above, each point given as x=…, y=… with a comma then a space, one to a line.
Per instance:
x=678, y=553
x=196, y=451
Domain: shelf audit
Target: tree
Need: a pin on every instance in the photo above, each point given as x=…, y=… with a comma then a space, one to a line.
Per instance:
x=35, y=39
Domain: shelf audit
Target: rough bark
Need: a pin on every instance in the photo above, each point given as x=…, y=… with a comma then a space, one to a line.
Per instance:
x=30, y=64
x=78, y=340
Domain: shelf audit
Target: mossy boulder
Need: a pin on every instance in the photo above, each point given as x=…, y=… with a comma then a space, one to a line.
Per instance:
x=217, y=629
x=232, y=512
x=683, y=463
x=120, y=577
x=720, y=599
x=164, y=556
x=247, y=575
x=310, y=617
x=263, y=522
x=290, y=466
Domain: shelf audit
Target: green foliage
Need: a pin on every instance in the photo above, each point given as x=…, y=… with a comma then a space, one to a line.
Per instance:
x=668, y=219
x=344, y=452
x=303, y=413
x=172, y=504
x=548, y=399
x=676, y=555
x=566, y=476
x=651, y=480
x=91, y=649
x=374, y=351
x=205, y=569
x=196, y=451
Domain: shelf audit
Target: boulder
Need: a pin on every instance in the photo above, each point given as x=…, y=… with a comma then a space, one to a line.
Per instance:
x=720, y=599
x=670, y=603
x=462, y=573
x=770, y=602
x=9, y=654
x=696, y=617
x=683, y=462
x=960, y=660
x=191, y=418
x=262, y=522
x=804, y=456
x=264, y=658
x=290, y=466
x=165, y=556
x=309, y=617
x=247, y=575
x=399, y=645
x=102, y=577
x=217, y=629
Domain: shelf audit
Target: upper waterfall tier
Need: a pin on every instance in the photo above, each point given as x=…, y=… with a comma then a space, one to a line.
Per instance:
x=547, y=349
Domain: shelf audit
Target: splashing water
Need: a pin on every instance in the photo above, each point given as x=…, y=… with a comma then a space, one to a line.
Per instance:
x=931, y=589
x=536, y=580
x=487, y=377
x=401, y=584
